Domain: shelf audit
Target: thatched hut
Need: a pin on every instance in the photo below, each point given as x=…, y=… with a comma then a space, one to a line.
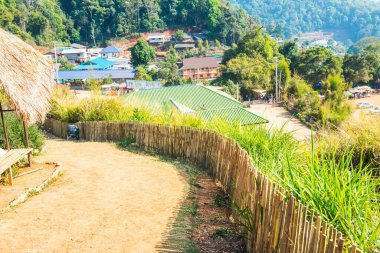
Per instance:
x=26, y=78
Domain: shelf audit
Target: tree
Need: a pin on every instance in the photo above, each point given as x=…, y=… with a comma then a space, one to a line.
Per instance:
x=249, y=72
x=363, y=68
x=200, y=44
x=37, y=23
x=356, y=69
x=65, y=64
x=316, y=64
x=255, y=42
x=179, y=36
x=333, y=89
x=217, y=44
x=142, y=74
x=142, y=53
x=168, y=72
x=290, y=51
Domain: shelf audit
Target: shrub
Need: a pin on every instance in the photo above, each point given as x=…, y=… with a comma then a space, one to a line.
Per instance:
x=16, y=136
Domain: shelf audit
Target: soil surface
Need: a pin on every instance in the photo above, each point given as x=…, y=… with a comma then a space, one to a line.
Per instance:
x=107, y=200
x=279, y=117
x=215, y=232
x=22, y=183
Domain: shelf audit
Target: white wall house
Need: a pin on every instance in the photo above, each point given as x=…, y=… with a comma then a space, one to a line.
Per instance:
x=111, y=52
x=157, y=38
x=76, y=55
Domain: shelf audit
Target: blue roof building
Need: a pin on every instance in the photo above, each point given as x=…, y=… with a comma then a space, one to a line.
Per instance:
x=111, y=52
x=96, y=64
x=126, y=74
x=110, y=49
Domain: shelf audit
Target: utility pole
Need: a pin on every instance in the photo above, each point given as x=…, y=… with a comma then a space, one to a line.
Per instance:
x=276, y=78
x=279, y=86
x=237, y=92
x=56, y=60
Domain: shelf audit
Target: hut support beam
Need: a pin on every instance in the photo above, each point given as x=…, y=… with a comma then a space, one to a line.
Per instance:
x=4, y=128
x=27, y=141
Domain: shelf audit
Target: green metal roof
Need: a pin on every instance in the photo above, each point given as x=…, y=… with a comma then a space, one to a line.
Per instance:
x=233, y=115
x=207, y=103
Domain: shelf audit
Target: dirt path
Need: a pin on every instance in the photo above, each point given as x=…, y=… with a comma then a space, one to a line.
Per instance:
x=106, y=201
x=279, y=118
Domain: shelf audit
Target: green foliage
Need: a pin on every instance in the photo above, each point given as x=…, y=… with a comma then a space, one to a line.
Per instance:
x=65, y=64
x=290, y=51
x=305, y=101
x=142, y=74
x=360, y=134
x=142, y=53
x=179, y=36
x=330, y=111
x=356, y=18
x=250, y=63
x=37, y=23
x=363, y=68
x=168, y=72
x=316, y=64
x=16, y=136
x=93, y=84
x=358, y=47
x=44, y=20
x=95, y=21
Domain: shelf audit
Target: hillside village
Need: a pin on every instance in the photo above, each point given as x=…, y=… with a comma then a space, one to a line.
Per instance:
x=114, y=60
x=186, y=126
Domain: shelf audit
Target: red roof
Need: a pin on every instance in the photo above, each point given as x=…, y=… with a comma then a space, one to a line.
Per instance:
x=202, y=62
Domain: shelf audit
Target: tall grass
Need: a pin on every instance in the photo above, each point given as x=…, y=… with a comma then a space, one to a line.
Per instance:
x=323, y=175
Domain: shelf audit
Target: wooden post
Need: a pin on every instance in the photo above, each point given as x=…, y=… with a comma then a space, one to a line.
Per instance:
x=4, y=128
x=27, y=141
x=10, y=178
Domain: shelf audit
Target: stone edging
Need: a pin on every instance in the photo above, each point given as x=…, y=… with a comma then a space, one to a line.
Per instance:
x=24, y=196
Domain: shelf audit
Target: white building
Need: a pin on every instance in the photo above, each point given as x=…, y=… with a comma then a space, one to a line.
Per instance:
x=111, y=52
x=76, y=55
x=158, y=38
x=94, y=52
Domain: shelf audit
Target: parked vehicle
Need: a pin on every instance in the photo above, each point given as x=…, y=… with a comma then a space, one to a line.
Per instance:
x=375, y=110
x=364, y=105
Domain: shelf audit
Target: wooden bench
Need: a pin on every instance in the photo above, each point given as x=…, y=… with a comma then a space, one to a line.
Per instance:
x=10, y=158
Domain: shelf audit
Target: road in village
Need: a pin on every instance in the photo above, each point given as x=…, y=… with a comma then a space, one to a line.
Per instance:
x=279, y=117
x=107, y=200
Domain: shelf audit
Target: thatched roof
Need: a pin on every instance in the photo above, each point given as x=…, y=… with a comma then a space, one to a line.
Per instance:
x=26, y=78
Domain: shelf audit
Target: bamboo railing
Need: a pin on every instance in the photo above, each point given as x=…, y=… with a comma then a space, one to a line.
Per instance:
x=275, y=221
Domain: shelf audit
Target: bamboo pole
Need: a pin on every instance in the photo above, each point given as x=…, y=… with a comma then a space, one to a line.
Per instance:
x=4, y=128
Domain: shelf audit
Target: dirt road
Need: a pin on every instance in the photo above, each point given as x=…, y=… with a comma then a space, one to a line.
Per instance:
x=106, y=201
x=279, y=118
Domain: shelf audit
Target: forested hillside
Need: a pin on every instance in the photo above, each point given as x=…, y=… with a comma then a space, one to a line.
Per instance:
x=95, y=21
x=289, y=17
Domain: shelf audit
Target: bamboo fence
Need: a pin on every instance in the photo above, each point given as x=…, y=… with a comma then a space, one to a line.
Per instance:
x=275, y=221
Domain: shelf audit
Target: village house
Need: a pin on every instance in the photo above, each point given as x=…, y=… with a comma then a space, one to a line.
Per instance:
x=94, y=52
x=158, y=38
x=52, y=54
x=111, y=52
x=77, y=46
x=200, y=68
x=183, y=47
x=76, y=55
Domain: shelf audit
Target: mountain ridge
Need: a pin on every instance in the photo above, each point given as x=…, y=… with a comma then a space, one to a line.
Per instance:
x=290, y=17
